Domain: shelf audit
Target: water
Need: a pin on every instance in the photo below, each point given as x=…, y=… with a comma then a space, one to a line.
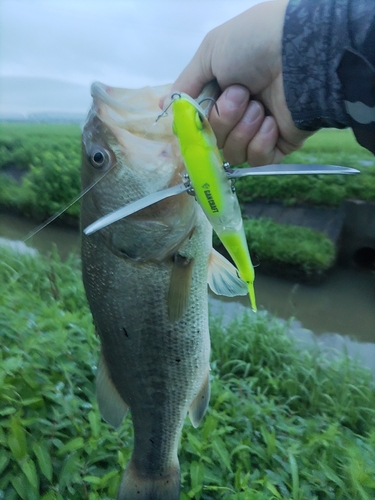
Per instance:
x=345, y=303
x=340, y=312
x=17, y=228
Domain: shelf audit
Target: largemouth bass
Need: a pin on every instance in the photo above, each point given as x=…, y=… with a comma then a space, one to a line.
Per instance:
x=146, y=278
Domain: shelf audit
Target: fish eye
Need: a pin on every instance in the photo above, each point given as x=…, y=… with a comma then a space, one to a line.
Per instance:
x=99, y=157
x=198, y=120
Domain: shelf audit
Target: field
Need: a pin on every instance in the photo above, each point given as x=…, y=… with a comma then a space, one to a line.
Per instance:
x=282, y=423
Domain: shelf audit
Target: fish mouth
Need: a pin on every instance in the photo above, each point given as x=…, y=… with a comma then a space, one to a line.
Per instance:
x=135, y=110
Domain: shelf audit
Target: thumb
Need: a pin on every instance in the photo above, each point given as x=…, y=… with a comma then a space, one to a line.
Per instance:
x=191, y=81
x=196, y=74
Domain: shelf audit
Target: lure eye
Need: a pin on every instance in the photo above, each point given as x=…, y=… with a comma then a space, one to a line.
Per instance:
x=99, y=157
x=198, y=121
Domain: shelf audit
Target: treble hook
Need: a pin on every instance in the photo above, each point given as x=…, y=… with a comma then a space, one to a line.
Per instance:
x=212, y=100
x=174, y=96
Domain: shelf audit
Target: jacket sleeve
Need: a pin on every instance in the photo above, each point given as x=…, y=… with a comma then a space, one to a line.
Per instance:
x=329, y=65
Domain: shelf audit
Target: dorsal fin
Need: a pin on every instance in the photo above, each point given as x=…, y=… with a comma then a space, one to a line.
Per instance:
x=223, y=277
x=111, y=405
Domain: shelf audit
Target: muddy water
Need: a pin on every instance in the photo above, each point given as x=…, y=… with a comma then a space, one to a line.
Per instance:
x=340, y=312
x=17, y=228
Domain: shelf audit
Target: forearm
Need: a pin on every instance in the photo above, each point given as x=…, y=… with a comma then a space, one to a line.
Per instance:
x=316, y=38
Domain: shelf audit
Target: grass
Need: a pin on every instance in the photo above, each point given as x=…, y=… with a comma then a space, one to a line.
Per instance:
x=330, y=147
x=306, y=248
x=308, y=252
x=49, y=156
x=282, y=423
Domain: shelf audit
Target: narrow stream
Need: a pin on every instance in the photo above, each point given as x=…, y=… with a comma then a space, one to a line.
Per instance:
x=340, y=312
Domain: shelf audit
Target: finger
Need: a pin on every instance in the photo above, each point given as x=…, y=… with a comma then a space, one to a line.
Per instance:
x=199, y=71
x=192, y=79
x=231, y=105
x=236, y=143
x=263, y=148
x=299, y=138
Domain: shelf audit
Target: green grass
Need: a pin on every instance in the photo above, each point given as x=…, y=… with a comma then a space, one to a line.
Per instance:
x=49, y=155
x=311, y=251
x=331, y=147
x=282, y=423
x=18, y=130
x=308, y=251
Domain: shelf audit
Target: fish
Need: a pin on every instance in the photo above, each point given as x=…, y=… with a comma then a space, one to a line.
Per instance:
x=213, y=190
x=145, y=278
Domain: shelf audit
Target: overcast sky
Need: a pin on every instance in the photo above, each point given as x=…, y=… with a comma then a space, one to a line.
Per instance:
x=125, y=43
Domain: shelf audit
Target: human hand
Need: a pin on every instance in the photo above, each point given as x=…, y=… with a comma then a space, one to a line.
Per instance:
x=244, y=55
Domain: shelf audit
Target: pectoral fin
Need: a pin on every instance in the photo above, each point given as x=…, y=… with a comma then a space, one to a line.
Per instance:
x=199, y=406
x=179, y=287
x=223, y=277
x=111, y=405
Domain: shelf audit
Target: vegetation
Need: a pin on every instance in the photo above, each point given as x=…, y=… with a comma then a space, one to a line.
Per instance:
x=330, y=147
x=282, y=423
x=282, y=246
x=49, y=157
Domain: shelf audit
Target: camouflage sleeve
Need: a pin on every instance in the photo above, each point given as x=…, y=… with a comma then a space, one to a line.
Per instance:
x=329, y=65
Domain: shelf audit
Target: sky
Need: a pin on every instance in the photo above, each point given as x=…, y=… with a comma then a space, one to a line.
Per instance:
x=52, y=50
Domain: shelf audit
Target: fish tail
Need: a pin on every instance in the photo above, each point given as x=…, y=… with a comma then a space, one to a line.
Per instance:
x=137, y=486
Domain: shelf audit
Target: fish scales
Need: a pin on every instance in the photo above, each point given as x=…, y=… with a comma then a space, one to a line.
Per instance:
x=146, y=283
x=168, y=361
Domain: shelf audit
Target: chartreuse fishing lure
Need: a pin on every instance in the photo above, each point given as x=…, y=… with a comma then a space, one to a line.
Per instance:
x=212, y=188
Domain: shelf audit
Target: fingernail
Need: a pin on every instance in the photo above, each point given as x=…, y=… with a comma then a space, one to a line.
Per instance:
x=267, y=125
x=253, y=112
x=236, y=95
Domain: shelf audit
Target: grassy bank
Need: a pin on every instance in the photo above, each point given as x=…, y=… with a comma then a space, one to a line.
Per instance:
x=282, y=424
x=288, y=251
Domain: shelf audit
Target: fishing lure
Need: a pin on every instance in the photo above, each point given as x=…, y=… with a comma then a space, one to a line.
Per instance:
x=212, y=188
